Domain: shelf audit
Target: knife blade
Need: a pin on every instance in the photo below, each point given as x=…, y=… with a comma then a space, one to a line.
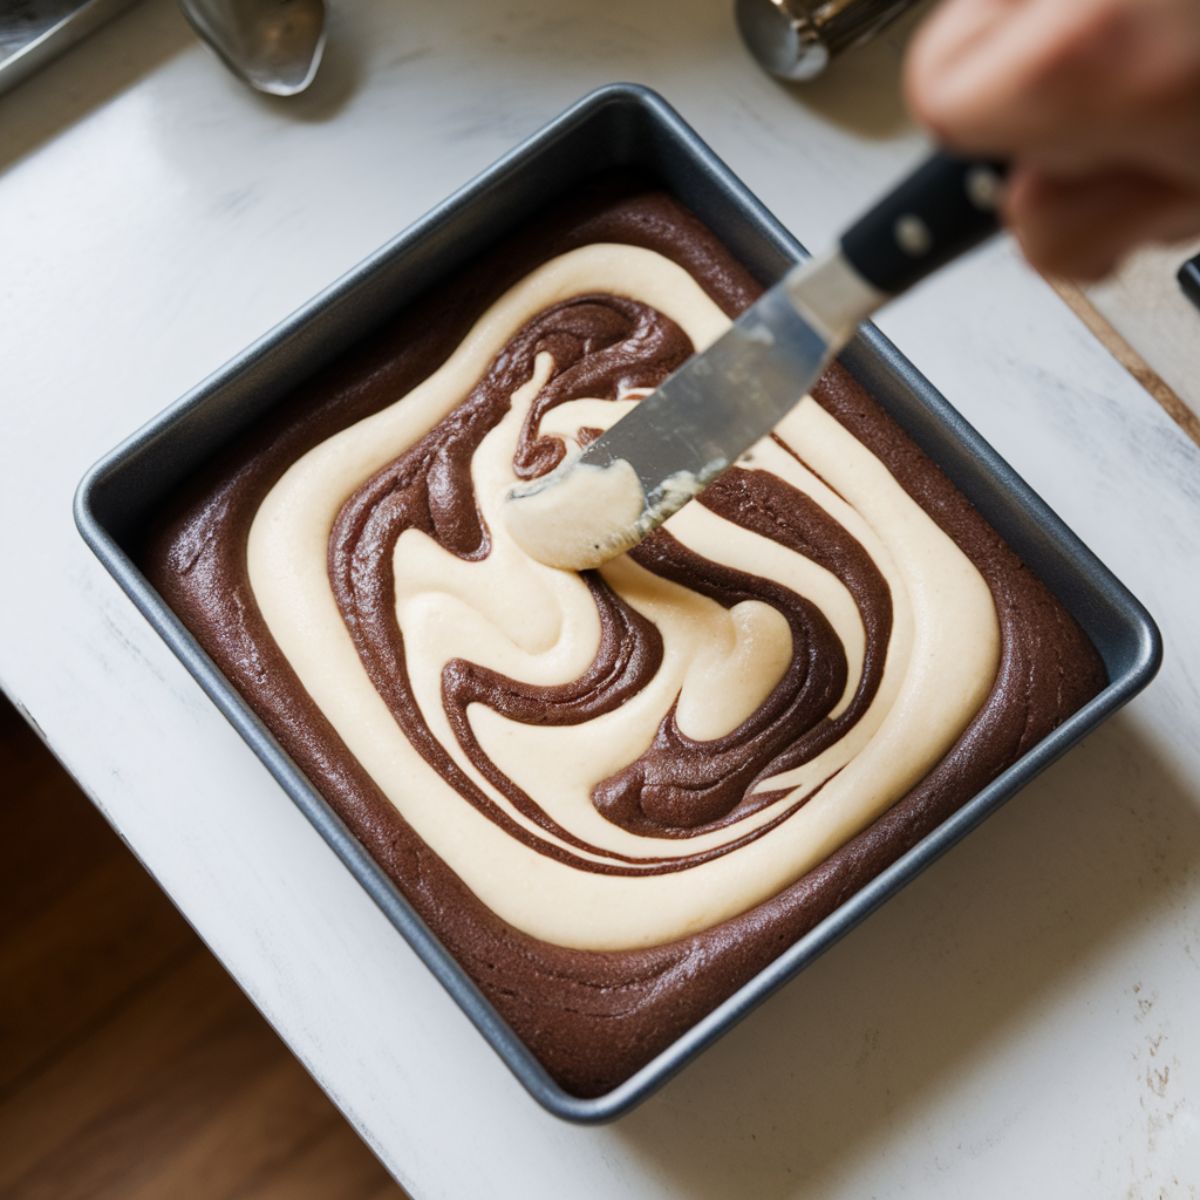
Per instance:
x=675, y=442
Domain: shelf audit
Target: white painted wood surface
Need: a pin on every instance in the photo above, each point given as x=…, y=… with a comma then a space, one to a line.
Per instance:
x=1021, y=1021
x=1145, y=304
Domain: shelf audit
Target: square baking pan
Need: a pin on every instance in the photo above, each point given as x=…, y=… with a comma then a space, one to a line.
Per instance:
x=621, y=126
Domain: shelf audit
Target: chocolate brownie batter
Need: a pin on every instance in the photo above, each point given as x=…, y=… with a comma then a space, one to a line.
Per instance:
x=594, y=1016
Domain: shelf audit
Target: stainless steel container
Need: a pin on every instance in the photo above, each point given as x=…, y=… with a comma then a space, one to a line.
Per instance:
x=626, y=127
x=795, y=39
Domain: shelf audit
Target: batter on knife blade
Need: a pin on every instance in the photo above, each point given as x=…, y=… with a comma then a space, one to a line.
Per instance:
x=589, y=784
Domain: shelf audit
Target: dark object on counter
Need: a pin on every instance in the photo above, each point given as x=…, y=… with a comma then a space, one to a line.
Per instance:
x=627, y=127
x=795, y=39
x=1189, y=279
x=32, y=32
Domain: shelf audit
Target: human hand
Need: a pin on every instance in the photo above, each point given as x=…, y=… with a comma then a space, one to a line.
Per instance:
x=1095, y=102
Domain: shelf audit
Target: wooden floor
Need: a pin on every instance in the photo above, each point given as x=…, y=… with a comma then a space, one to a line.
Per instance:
x=131, y=1066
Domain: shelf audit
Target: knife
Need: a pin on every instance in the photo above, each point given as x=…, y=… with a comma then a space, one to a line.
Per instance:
x=675, y=442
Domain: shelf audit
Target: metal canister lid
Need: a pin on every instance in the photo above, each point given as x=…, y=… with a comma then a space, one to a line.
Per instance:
x=795, y=39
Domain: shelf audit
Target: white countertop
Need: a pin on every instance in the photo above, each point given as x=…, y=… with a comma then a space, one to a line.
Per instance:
x=1144, y=303
x=1021, y=1021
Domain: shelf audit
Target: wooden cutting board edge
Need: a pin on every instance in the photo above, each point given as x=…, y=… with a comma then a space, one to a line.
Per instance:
x=1128, y=357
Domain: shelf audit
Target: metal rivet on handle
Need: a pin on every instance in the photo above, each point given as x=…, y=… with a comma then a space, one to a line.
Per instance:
x=912, y=235
x=984, y=188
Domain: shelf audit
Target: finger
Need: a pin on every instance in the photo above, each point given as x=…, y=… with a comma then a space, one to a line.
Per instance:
x=1082, y=227
x=943, y=61
x=954, y=30
x=955, y=27
x=1018, y=77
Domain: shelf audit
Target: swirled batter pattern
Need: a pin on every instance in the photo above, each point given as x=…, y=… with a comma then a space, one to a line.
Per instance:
x=617, y=759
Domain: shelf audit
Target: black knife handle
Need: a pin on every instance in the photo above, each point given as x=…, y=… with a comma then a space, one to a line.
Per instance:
x=946, y=206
